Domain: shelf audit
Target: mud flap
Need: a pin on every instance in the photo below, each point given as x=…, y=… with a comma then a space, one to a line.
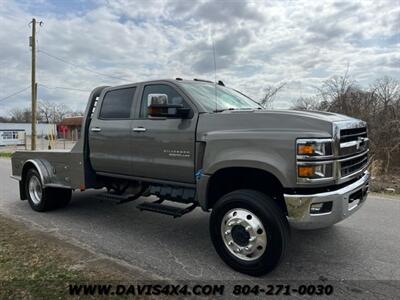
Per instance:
x=22, y=192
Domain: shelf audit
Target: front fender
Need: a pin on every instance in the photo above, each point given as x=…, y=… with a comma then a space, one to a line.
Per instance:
x=271, y=152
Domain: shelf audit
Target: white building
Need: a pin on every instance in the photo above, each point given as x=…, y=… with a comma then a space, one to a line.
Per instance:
x=14, y=133
x=12, y=137
x=41, y=129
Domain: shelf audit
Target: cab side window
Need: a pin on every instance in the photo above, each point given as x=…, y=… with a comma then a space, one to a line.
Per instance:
x=173, y=97
x=117, y=104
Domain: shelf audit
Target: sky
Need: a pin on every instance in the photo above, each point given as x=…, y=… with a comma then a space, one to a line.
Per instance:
x=85, y=44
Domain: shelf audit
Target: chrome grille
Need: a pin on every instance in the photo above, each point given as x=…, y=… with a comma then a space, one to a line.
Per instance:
x=351, y=165
x=353, y=141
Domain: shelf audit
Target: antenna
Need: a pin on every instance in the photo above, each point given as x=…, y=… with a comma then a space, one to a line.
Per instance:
x=215, y=72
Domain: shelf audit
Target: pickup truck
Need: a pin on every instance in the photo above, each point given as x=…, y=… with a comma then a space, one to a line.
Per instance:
x=196, y=143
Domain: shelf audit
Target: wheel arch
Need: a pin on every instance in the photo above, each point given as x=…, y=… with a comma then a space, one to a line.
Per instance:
x=29, y=164
x=228, y=179
x=42, y=167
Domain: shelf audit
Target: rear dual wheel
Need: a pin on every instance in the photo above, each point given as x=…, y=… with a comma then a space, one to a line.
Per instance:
x=249, y=231
x=44, y=199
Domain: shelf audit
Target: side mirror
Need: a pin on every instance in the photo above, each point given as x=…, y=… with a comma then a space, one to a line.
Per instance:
x=157, y=106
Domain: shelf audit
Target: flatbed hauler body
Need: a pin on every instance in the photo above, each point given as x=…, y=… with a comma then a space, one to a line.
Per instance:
x=258, y=171
x=58, y=169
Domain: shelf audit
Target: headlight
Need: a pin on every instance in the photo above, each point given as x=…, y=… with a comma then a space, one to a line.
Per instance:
x=308, y=148
x=314, y=160
x=315, y=171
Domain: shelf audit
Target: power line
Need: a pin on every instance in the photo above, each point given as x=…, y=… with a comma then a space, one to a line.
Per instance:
x=71, y=89
x=45, y=86
x=62, y=88
x=14, y=94
x=80, y=67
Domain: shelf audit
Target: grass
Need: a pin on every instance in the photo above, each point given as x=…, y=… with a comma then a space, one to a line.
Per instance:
x=34, y=265
x=6, y=154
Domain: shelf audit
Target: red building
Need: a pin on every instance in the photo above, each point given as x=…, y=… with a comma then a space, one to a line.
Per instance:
x=70, y=128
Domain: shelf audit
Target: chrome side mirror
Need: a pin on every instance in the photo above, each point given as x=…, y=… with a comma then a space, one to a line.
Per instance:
x=157, y=99
x=158, y=106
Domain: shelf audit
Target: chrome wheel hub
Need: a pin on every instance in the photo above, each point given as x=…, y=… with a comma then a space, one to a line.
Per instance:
x=243, y=234
x=35, y=190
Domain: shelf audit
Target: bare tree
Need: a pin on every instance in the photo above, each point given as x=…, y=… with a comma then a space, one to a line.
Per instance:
x=379, y=106
x=269, y=94
x=387, y=91
x=307, y=103
x=387, y=121
x=20, y=115
x=52, y=112
x=45, y=111
x=335, y=92
x=48, y=112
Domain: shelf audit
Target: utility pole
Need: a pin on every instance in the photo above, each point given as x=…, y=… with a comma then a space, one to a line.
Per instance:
x=34, y=86
x=32, y=43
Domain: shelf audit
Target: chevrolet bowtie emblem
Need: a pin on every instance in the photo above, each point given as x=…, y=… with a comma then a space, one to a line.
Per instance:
x=360, y=140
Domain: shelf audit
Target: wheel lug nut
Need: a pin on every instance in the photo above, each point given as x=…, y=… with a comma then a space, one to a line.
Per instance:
x=227, y=232
x=230, y=243
x=253, y=238
x=248, y=227
x=248, y=247
x=238, y=250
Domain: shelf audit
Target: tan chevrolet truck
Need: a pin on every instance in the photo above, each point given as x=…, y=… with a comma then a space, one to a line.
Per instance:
x=201, y=144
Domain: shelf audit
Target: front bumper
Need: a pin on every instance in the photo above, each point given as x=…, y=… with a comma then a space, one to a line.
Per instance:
x=344, y=201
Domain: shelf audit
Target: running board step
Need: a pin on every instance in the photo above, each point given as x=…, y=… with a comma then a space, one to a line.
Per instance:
x=120, y=199
x=165, y=209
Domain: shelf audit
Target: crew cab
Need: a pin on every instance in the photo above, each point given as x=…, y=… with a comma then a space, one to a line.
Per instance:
x=202, y=144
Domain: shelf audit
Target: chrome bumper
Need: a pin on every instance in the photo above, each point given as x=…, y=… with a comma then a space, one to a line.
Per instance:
x=345, y=202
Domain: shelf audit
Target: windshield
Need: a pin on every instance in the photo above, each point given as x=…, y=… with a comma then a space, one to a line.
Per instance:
x=227, y=99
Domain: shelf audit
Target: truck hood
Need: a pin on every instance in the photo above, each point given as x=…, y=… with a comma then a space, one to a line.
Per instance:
x=320, y=115
x=302, y=123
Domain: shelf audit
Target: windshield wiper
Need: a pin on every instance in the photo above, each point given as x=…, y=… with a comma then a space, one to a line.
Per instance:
x=223, y=109
x=231, y=108
x=248, y=108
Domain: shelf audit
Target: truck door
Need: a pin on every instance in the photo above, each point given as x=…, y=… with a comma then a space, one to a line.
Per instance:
x=166, y=144
x=110, y=132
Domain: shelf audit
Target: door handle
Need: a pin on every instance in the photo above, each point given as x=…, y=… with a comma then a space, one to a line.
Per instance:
x=139, y=129
x=95, y=129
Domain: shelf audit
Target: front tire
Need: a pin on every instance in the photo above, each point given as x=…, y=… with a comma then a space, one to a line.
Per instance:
x=249, y=231
x=44, y=199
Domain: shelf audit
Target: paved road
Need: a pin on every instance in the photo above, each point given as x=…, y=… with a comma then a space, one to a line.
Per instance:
x=366, y=246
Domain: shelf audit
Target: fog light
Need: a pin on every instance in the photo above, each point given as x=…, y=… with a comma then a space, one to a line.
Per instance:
x=320, y=208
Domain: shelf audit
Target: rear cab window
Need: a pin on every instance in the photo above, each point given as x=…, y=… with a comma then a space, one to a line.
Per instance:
x=117, y=104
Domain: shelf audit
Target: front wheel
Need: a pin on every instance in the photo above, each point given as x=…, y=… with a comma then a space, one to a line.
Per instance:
x=44, y=199
x=249, y=231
